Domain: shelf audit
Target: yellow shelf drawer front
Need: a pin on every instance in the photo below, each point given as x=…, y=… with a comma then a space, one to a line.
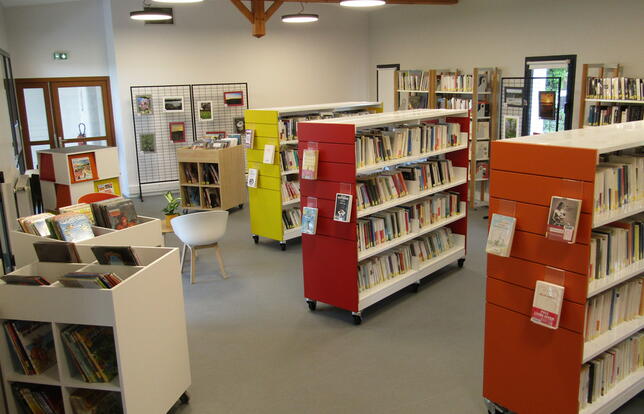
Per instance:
x=266, y=213
x=263, y=130
x=260, y=117
x=271, y=170
x=270, y=183
x=260, y=142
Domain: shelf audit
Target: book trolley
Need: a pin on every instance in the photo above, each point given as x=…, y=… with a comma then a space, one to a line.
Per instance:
x=229, y=190
x=266, y=201
x=530, y=369
x=145, y=312
x=331, y=257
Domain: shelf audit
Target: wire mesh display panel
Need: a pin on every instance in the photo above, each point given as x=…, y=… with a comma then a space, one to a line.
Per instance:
x=167, y=117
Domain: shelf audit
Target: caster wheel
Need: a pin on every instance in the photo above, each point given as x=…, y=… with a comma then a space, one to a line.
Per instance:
x=255, y=238
x=357, y=319
x=461, y=262
x=241, y=206
x=283, y=246
x=185, y=398
x=312, y=304
x=415, y=287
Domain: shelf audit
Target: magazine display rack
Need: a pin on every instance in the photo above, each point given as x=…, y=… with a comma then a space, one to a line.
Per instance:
x=528, y=368
x=331, y=256
x=66, y=174
x=146, y=233
x=149, y=329
x=266, y=201
x=230, y=188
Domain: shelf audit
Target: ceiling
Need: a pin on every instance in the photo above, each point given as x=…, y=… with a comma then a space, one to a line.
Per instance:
x=14, y=3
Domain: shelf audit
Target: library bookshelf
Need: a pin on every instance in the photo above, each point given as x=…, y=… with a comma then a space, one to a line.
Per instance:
x=406, y=92
x=331, y=256
x=60, y=186
x=528, y=368
x=149, y=329
x=146, y=233
x=195, y=176
x=267, y=202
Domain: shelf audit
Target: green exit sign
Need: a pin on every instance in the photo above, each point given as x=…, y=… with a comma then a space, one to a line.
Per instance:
x=61, y=55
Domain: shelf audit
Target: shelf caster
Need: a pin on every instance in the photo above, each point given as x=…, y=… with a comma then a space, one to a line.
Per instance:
x=283, y=245
x=493, y=408
x=241, y=206
x=461, y=262
x=255, y=238
x=357, y=318
x=415, y=286
x=185, y=398
x=312, y=304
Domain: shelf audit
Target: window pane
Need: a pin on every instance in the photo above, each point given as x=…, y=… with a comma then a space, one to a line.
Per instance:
x=36, y=148
x=36, y=114
x=88, y=142
x=81, y=111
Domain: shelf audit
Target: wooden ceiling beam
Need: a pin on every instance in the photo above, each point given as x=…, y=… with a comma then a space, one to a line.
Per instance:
x=421, y=2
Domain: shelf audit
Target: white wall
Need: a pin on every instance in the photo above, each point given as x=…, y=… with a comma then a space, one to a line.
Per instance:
x=7, y=164
x=502, y=33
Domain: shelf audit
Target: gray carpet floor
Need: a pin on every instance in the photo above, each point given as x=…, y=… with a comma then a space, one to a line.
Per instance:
x=256, y=348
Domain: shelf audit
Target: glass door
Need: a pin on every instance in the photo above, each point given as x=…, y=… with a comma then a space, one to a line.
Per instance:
x=35, y=113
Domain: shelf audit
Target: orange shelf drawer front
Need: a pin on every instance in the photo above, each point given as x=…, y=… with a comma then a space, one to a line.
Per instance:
x=527, y=368
x=545, y=160
x=535, y=248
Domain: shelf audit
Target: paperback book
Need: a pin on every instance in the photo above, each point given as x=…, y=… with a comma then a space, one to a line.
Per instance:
x=563, y=219
x=57, y=252
x=309, y=220
x=501, y=235
x=546, y=305
x=342, y=210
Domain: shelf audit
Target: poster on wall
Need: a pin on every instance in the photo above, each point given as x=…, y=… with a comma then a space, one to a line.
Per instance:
x=513, y=97
x=547, y=105
x=205, y=110
x=173, y=104
x=235, y=98
x=177, y=132
x=511, y=126
x=144, y=104
x=147, y=143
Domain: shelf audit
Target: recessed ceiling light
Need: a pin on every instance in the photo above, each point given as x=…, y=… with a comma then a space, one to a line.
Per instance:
x=300, y=18
x=150, y=14
x=362, y=3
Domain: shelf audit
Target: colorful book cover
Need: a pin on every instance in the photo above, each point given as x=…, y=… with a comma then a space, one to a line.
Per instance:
x=74, y=227
x=310, y=164
x=82, y=167
x=501, y=235
x=81, y=208
x=109, y=186
x=115, y=255
x=122, y=215
x=37, y=340
x=309, y=220
x=563, y=219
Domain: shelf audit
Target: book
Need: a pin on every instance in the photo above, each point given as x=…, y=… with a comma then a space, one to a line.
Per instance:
x=482, y=150
x=289, y=160
x=269, y=154
x=121, y=214
x=92, y=350
x=482, y=170
x=292, y=218
x=57, y=252
x=72, y=227
x=563, y=219
x=342, y=210
x=34, y=343
x=25, y=280
x=81, y=208
x=84, y=401
x=32, y=398
x=546, y=305
x=309, y=220
x=251, y=180
x=501, y=235
x=36, y=224
x=249, y=138
x=310, y=164
x=115, y=255
x=613, y=307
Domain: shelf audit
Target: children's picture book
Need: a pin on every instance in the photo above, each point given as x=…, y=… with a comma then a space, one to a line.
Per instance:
x=25, y=280
x=269, y=154
x=309, y=220
x=122, y=214
x=56, y=252
x=74, y=227
x=499, y=239
x=342, y=210
x=310, y=164
x=563, y=219
x=82, y=167
x=253, y=174
x=36, y=343
x=115, y=255
x=108, y=185
x=81, y=208
x=546, y=305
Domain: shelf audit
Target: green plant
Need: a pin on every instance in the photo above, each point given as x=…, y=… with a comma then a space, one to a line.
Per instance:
x=173, y=204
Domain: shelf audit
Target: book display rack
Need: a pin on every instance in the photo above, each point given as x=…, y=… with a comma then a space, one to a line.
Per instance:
x=528, y=368
x=66, y=174
x=413, y=89
x=278, y=187
x=211, y=179
x=336, y=259
x=145, y=365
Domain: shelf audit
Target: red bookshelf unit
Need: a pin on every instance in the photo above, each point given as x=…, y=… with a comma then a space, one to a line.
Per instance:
x=331, y=256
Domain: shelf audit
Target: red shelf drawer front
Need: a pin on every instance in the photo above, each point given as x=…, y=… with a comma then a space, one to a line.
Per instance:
x=519, y=299
x=325, y=208
x=572, y=257
x=331, y=133
x=330, y=274
x=539, y=190
x=545, y=160
x=329, y=227
x=533, y=218
x=337, y=153
x=524, y=273
x=325, y=189
x=341, y=173
x=530, y=369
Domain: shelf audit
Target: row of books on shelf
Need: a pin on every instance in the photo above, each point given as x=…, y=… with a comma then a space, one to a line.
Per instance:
x=32, y=346
x=215, y=142
x=287, y=126
x=47, y=399
x=75, y=221
x=616, y=88
x=404, y=258
x=190, y=172
x=482, y=150
x=292, y=218
x=378, y=146
x=210, y=174
x=289, y=160
x=405, y=219
x=377, y=189
x=290, y=189
x=609, y=309
x=415, y=80
x=210, y=198
x=614, y=114
x=412, y=100
x=619, y=180
x=92, y=350
x=482, y=107
x=615, y=247
x=601, y=374
x=456, y=82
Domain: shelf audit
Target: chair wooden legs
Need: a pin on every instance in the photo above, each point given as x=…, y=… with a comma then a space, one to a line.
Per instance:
x=183, y=256
x=220, y=261
x=193, y=257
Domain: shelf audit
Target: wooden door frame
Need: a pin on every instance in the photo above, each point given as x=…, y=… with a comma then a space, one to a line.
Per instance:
x=24, y=120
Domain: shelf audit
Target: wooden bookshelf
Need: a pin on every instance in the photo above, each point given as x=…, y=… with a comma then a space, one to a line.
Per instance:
x=229, y=162
x=149, y=329
x=528, y=368
x=266, y=201
x=400, y=89
x=331, y=256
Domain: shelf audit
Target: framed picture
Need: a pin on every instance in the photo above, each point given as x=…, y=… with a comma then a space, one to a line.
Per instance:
x=82, y=167
x=177, y=132
x=216, y=134
x=147, y=143
x=173, y=104
x=547, y=105
x=109, y=185
x=513, y=97
x=205, y=110
x=511, y=124
x=240, y=125
x=143, y=104
x=235, y=98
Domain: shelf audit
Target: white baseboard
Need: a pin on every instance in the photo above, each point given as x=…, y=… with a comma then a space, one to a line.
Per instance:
x=152, y=189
